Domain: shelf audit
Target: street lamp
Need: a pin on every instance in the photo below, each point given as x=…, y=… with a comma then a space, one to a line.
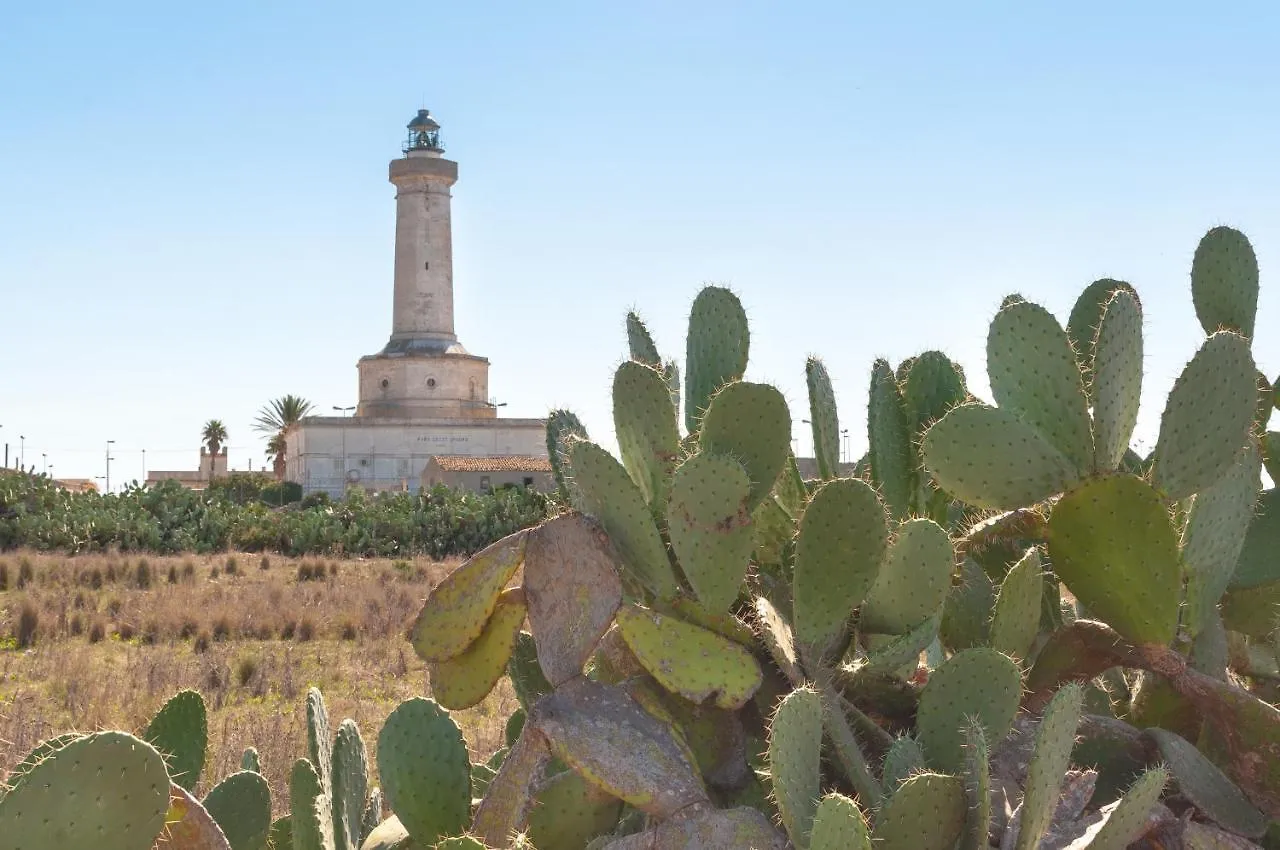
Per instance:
x=344, y=411
x=44, y=458
x=144, y=467
x=22, y=452
x=108, y=479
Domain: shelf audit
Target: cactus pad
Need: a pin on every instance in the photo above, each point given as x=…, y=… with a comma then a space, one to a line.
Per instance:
x=1216, y=529
x=1207, y=417
x=350, y=781
x=527, y=678
x=572, y=589
x=1017, y=611
x=689, y=660
x=890, y=450
x=824, y=418
x=568, y=812
x=241, y=805
x=839, y=825
x=645, y=424
x=602, y=733
x=1086, y=315
x=795, y=761
x=893, y=652
x=609, y=495
x=841, y=543
x=640, y=344
x=1207, y=787
x=967, y=611
x=1123, y=821
x=1055, y=737
x=456, y=612
x=932, y=386
x=1112, y=544
x=1034, y=375
x=108, y=791
x=466, y=679
x=709, y=521
x=1258, y=564
x=562, y=426
x=249, y=760
x=977, y=787
x=705, y=828
x=926, y=813
x=751, y=424
x=775, y=633
x=1224, y=282
x=989, y=458
x=979, y=683
x=1117, y=379
x=903, y=759
x=388, y=835
x=372, y=814
x=180, y=731
x=913, y=580
x=716, y=349
x=425, y=771
x=311, y=809
x=319, y=739
x=505, y=807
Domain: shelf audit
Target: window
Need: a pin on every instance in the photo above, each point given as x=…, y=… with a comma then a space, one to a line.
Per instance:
x=431, y=383
x=385, y=383
x=528, y=481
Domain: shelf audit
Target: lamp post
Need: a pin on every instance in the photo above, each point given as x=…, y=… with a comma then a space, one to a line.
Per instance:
x=344, y=411
x=44, y=459
x=22, y=452
x=144, y=467
x=108, y=478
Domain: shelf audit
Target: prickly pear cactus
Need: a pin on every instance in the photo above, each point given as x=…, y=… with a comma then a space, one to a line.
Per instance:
x=180, y=731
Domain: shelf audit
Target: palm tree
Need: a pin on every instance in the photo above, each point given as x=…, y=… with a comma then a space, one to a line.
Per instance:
x=278, y=418
x=214, y=435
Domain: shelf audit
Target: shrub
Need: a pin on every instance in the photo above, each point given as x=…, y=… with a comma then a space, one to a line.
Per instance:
x=111, y=572
x=113, y=606
x=306, y=630
x=288, y=630
x=143, y=575
x=305, y=572
x=348, y=630
x=4, y=576
x=232, y=566
x=28, y=624
x=188, y=628
x=26, y=573
x=188, y=570
x=125, y=630
x=245, y=668
x=173, y=574
x=265, y=563
x=97, y=631
x=201, y=643
x=95, y=578
x=150, y=632
x=75, y=626
x=221, y=628
x=333, y=569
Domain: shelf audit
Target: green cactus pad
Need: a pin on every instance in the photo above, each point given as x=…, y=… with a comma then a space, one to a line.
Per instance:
x=189, y=825
x=527, y=678
x=350, y=780
x=926, y=813
x=241, y=805
x=966, y=614
x=979, y=683
x=772, y=531
x=180, y=730
x=977, y=788
x=319, y=739
x=703, y=828
x=839, y=825
x=751, y=424
x=904, y=758
x=609, y=495
x=1113, y=545
x=989, y=458
x=932, y=386
x=425, y=771
x=1123, y=821
x=1207, y=417
x=461, y=842
x=388, y=835
x=639, y=342
x=824, y=418
x=372, y=814
x=709, y=521
x=775, y=632
x=466, y=679
x=310, y=808
x=1034, y=375
x=790, y=491
x=1224, y=282
x=892, y=652
x=562, y=426
x=795, y=761
x=1271, y=454
x=602, y=733
x=249, y=760
x=281, y=837
x=42, y=751
x=842, y=540
x=716, y=349
x=1055, y=737
x=726, y=625
x=1117, y=379
x=645, y=424
x=1086, y=315
x=572, y=588
x=1258, y=564
x=892, y=458
x=108, y=791
x=1017, y=611
x=1253, y=611
x=1207, y=787
x=689, y=660
x=1214, y=536
x=568, y=812
x=913, y=580
x=456, y=612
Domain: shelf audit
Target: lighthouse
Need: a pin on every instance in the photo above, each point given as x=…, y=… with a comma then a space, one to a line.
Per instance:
x=423, y=371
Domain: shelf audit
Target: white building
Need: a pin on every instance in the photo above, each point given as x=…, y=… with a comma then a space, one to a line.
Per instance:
x=423, y=395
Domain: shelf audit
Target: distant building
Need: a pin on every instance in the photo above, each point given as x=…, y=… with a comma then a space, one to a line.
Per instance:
x=423, y=396
x=484, y=473
x=211, y=466
x=76, y=485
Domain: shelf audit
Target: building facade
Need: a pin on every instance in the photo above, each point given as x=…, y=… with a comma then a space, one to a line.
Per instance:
x=423, y=395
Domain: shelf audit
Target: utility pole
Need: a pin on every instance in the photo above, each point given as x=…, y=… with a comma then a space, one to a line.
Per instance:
x=22, y=452
x=44, y=458
x=144, y=467
x=108, y=479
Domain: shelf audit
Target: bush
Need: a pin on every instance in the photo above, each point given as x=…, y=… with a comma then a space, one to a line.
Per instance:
x=265, y=563
x=201, y=643
x=173, y=574
x=143, y=575
x=28, y=624
x=97, y=632
x=232, y=566
x=4, y=576
x=75, y=626
x=245, y=668
x=221, y=628
x=288, y=630
x=188, y=570
x=126, y=631
x=26, y=573
x=347, y=631
x=306, y=630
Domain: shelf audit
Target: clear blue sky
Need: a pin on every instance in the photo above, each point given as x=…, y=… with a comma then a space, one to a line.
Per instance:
x=195, y=216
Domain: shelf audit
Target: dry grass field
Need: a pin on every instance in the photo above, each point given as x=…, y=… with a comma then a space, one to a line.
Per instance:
x=101, y=641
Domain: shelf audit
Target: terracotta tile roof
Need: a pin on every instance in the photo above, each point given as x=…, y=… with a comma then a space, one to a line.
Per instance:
x=491, y=463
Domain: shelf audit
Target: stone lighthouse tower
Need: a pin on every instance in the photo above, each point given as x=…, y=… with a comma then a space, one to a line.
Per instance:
x=423, y=372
